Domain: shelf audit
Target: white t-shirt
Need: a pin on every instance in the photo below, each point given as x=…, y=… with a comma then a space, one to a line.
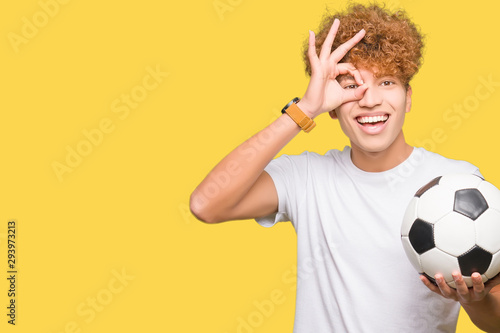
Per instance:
x=353, y=274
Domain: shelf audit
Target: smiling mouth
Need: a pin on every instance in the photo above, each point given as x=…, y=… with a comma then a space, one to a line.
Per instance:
x=372, y=120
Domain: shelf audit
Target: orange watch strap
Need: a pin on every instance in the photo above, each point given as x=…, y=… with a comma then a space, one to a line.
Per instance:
x=304, y=122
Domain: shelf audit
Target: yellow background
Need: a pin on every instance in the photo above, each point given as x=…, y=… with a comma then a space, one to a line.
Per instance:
x=124, y=207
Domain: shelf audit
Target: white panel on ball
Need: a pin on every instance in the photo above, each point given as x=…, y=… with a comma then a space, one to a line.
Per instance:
x=436, y=261
x=412, y=255
x=459, y=181
x=438, y=201
x=491, y=194
x=409, y=217
x=488, y=231
x=454, y=234
x=494, y=268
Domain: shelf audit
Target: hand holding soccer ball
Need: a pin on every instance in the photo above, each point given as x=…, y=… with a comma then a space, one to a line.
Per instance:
x=453, y=225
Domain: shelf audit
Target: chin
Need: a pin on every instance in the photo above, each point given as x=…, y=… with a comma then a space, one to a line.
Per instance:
x=372, y=147
x=374, y=150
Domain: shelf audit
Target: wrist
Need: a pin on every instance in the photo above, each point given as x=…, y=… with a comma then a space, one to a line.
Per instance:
x=485, y=313
x=298, y=115
x=304, y=107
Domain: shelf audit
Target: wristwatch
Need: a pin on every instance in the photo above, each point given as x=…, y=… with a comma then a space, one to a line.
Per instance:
x=299, y=117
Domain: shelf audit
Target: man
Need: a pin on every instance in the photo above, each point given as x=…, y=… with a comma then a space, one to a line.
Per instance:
x=346, y=215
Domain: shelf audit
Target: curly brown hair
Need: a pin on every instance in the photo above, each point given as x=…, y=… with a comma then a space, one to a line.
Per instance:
x=392, y=45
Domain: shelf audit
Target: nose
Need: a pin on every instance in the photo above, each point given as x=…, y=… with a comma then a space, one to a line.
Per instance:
x=371, y=98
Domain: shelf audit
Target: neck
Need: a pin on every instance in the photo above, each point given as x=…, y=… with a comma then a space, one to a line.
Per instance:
x=384, y=160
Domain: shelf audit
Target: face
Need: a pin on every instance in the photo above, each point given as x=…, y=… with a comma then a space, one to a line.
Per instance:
x=374, y=123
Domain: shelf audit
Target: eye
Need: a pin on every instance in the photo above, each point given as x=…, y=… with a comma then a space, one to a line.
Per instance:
x=387, y=83
x=351, y=86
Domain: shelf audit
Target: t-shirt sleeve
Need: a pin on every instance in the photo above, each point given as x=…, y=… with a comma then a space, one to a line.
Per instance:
x=469, y=167
x=289, y=176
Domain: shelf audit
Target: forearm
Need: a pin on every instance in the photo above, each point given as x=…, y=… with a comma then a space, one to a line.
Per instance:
x=225, y=186
x=485, y=314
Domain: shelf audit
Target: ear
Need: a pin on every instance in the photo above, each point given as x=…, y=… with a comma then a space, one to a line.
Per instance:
x=333, y=114
x=408, y=98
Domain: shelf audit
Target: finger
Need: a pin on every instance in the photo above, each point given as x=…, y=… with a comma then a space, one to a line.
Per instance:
x=357, y=77
x=346, y=68
x=354, y=94
x=311, y=51
x=429, y=284
x=477, y=284
x=446, y=291
x=326, y=48
x=461, y=286
x=342, y=50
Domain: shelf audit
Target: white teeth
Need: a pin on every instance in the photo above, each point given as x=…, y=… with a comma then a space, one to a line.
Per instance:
x=375, y=119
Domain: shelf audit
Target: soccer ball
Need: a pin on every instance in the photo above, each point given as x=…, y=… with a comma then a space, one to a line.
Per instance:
x=453, y=224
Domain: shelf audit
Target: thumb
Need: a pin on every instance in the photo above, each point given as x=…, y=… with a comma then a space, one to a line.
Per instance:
x=355, y=94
